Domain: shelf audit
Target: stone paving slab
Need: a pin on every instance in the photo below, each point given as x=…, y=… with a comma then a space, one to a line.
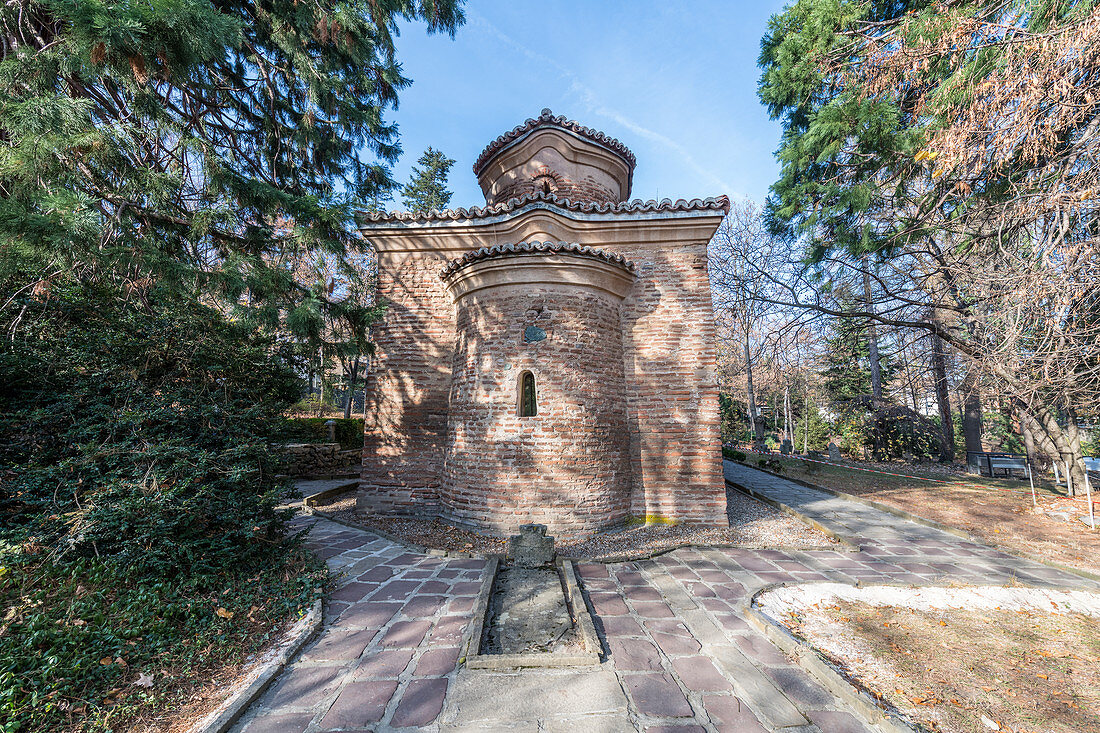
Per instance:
x=679, y=653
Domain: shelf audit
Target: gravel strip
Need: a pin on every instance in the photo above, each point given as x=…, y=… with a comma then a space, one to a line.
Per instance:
x=752, y=524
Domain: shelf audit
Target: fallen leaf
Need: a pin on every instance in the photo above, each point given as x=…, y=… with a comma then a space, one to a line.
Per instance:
x=144, y=680
x=223, y=613
x=105, y=661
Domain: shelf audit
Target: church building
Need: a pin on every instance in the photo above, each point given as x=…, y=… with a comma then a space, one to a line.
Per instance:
x=549, y=357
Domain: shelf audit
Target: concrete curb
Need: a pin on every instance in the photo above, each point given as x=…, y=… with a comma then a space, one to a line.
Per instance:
x=848, y=545
x=223, y=718
x=902, y=514
x=313, y=499
x=822, y=670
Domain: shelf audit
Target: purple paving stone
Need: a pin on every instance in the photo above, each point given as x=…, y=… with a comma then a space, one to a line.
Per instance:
x=653, y=610
x=681, y=572
x=631, y=577
x=339, y=644
x=798, y=686
x=304, y=687
x=639, y=593
x=592, y=570
x=759, y=648
x=699, y=673
x=467, y=588
x=657, y=695
x=634, y=654
x=437, y=662
x=402, y=561
x=716, y=605
x=286, y=723
x=376, y=574
x=448, y=630
x=360, y=704
x=368, y=614
x=730, y=591
x=675, y=729
x=732, y=715
x=423, y=606
x=472, y=564
x=353, y=591
x=836, y=722
x=435, y=586
x=732, y=622
x=462, y=605
x=702, y=590
x=664, y=626
x=448, y=573
x=676, y=645
x=420, y=704
x=621, y=626
x=383, y=663
x=608, y=604
x=396, y=590
x=419, y=574
x=406, y=633
x=714, y=576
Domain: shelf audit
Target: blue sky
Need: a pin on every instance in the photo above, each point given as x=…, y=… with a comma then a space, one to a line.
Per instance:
x=676, y=82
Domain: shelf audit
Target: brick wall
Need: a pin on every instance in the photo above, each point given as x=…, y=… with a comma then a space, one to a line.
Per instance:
x=546, y=180
x=407, y=385
x=672, y=378
x=568, y=466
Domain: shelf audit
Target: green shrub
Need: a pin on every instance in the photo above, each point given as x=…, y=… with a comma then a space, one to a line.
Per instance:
x=137, y=496
x=732, y=454
x=349, y=433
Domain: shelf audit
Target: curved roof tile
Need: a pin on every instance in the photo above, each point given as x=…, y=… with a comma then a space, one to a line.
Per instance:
x=503, y=250
x=584, y=207
x=547, y=118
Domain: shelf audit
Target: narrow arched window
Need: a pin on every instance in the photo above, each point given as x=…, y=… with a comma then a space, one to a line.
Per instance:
x=527, y=405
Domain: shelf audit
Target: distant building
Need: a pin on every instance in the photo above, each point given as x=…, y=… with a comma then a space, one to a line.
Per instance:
x=549, y=357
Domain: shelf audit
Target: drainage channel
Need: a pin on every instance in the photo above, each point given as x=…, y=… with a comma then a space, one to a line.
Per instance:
x=530, y=612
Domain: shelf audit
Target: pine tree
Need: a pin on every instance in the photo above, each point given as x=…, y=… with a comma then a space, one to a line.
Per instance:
x=427, y=186
x=197, y=147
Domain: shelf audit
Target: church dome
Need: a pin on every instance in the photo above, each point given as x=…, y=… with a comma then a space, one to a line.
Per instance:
x=553, y=155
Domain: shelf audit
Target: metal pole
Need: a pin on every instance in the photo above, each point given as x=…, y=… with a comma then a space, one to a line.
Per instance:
x=1088, y=497
x=1031, y=481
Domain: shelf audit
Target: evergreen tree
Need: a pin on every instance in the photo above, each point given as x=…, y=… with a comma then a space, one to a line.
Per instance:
x=427, y=186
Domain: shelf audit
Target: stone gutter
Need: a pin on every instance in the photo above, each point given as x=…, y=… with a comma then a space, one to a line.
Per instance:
x=578, y=610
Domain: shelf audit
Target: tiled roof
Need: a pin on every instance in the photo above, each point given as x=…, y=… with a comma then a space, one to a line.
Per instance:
x=637, y=206
x=547, y=118
x=503, y=250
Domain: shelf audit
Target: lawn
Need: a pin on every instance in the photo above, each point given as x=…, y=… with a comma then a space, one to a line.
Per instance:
x=998, y=511
x=965, y=671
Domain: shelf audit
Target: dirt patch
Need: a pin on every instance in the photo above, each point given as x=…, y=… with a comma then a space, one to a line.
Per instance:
x=998, y=511
x=752, y=524
x=986, y=666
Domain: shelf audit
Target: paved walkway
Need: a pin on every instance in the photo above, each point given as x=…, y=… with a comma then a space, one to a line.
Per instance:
x=681, y=656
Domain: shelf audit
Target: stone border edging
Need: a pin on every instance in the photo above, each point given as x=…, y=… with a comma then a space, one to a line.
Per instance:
x=902, y=514
x=223, y=718
x=310, y=501
x=810, y=660
x=848, y=545
x=433, y=552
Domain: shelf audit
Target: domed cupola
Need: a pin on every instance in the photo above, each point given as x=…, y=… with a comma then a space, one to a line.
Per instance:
x=558, y=158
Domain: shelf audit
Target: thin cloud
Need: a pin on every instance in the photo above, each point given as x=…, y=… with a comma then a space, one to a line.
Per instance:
x=593, y=104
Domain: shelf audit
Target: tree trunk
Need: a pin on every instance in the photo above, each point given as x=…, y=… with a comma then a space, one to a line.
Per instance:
x=872, y=336
x=972, y=412
x=943, y=401
x=1062, y=445
x=754, y=422
x=351, y=388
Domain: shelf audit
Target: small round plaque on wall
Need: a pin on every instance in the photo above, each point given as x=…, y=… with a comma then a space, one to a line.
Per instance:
x=533, y=333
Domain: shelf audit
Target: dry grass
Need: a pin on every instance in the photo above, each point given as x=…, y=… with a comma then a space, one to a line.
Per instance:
x=952, y=671
x=998, y=511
